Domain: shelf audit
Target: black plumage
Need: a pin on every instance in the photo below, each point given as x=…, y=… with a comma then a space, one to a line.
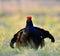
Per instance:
x=31, y=35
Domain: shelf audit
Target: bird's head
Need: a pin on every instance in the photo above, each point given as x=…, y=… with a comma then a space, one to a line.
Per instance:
x=29, y=21
x=29, y=17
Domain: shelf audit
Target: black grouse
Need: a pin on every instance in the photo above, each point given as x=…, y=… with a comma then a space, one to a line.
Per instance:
x=31, y=35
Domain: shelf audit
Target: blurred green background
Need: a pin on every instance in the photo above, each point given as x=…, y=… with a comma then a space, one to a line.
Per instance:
x=12, y=19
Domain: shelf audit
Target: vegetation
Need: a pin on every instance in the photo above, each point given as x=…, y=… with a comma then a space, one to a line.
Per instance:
x=9, y=25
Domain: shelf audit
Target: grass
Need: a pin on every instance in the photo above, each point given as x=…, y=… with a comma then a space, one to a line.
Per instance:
x=11, y=24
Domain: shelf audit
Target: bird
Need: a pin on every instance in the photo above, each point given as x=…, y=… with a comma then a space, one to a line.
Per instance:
x=31, y=35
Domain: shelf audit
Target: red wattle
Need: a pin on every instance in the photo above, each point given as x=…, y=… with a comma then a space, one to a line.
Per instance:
x=29, y=17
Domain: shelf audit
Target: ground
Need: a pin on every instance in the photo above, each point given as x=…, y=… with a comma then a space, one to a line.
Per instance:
x=11, y=24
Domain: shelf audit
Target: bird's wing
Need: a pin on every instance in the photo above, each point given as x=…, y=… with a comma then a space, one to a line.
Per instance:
x=44, y=34
x=15, y=37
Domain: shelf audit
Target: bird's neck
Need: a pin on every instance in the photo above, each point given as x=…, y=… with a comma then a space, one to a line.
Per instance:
x=29, y=24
